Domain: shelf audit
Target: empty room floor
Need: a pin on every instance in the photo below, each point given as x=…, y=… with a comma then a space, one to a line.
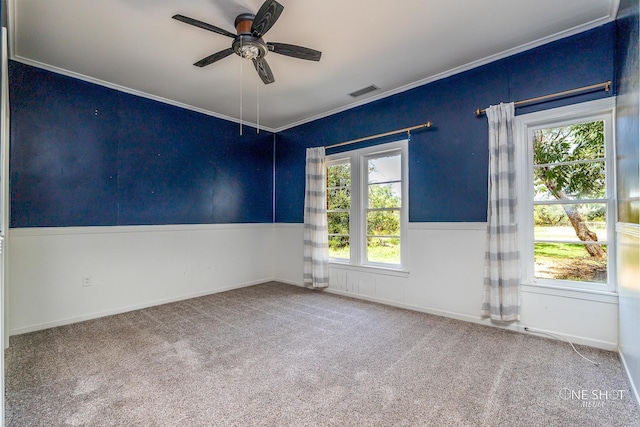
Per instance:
x=279, y=355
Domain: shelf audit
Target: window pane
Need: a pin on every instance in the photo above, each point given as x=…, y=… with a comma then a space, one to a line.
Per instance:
x=339, y=175
x=579, y=141
x=385, y=169
x=566, y=261
x=338, y=222
x=575, y=181
x=383, y=250
x=385, y=195
x=339, y=198
x=559, y=222
x=383, y=223
x=339, y=247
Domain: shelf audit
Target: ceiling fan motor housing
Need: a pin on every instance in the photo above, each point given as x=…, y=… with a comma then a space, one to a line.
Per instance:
x=243, y=23
x=245, y=44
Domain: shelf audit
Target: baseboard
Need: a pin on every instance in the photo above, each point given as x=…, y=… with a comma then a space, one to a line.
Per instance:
x=290, y=282
x=437, y=312
x=574, y=339
x=453, y=315
x=119, y=310
x=604, y=345
x=632, y=385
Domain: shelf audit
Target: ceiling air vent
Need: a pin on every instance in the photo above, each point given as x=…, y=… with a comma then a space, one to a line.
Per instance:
x=364, y=90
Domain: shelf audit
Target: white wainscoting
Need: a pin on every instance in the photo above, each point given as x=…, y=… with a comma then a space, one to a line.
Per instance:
x=445, y=278
x=128, y=268
x=141, y=266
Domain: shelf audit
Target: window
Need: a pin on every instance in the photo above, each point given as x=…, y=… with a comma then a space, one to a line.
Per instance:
x=566, y=196
x=366, y=205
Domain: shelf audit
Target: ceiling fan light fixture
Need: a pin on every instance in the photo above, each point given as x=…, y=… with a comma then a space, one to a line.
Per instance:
x=249, y=52
x=249, y=47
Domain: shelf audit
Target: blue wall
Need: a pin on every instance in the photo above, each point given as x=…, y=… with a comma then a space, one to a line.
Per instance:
x=448, y=164
x=627, y=113
x=84, y=155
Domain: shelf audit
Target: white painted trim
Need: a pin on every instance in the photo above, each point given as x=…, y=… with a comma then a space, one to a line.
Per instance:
x=632, y=230
x=369, y=269
x=12, y=55
x=55, y=231
x=569, y=112
x=289, y=225
x=358, y=161
x=466, y=67
x=634, y=390
x=291, y=282
x=575, y=339
x=583, y=294
x=6, y=208
x=600, y=109
x=611, y=346
x=10, y=13
x=480, y=226
x=135, y=92
x=119, y=310
x=615, y=6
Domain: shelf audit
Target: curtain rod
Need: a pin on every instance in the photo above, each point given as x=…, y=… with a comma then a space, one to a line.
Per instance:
x=380, y=135
x=606, y=86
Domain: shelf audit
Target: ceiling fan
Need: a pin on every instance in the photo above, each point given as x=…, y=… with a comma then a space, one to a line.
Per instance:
x=248, y=43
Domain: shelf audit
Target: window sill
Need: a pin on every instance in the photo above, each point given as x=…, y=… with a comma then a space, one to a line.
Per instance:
x=607, y=297
x=374, y=269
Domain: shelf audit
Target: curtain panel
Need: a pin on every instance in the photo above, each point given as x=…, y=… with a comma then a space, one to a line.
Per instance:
x=316, y=237
x=501, y=296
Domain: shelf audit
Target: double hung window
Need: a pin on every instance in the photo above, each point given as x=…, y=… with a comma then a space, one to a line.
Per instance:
x=567, y=205
x=367, y=205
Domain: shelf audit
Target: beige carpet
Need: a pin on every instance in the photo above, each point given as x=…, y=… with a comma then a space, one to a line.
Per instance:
x=279, y=355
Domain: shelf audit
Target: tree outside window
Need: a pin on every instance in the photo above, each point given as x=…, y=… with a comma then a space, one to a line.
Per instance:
x=570, y=206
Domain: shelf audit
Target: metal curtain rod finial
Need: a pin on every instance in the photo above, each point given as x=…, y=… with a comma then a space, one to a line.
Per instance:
x=585, y=89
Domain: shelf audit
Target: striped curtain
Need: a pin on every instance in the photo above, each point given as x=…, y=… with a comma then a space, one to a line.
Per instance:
x=501, y=297
x=316, y=237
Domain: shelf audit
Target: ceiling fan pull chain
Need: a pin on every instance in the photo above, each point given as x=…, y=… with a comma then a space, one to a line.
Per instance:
x=258, y=108
x=241, y=91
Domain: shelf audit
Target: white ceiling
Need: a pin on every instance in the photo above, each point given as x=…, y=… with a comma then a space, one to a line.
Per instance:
x=135, y=46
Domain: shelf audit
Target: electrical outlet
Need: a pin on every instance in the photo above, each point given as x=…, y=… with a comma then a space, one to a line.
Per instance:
x=86, y=281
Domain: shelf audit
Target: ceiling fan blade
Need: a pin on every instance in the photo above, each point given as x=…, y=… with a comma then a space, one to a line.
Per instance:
x=265, y=18
x=264, y=71
x=295, y=51
x=204, y=25
x=213, y=58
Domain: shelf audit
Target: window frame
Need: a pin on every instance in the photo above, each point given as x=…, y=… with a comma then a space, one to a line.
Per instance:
x=358, y=160
x=525, y=125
